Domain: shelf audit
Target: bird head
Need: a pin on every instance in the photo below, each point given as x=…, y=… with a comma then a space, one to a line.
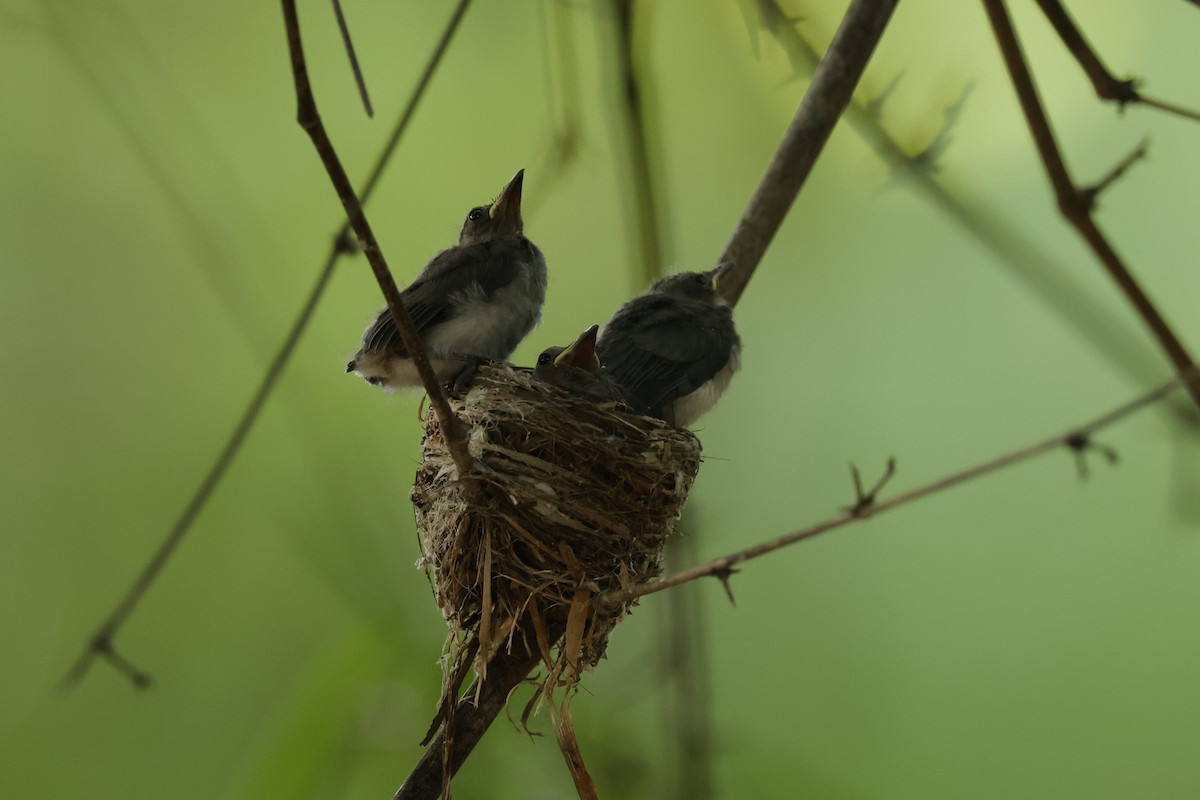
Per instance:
x=500, y=220
x=703, y=286
x=581, y=355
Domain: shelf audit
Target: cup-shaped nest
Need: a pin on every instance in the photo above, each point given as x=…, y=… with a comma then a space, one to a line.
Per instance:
x=568, y=499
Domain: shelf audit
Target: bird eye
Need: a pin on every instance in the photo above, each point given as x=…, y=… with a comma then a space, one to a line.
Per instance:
x=475, y=215
x=544, y=359
x=701, y=279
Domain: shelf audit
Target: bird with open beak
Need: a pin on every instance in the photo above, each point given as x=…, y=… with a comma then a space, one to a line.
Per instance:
x=577, y=369
x=472, y=303
x=674, y=349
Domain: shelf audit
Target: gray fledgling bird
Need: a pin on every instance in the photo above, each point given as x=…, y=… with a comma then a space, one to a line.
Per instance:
x=472, y=303
x=577, y=369
x=674, y=349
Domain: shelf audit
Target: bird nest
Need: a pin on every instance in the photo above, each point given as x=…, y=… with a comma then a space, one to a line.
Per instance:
x=568, y=500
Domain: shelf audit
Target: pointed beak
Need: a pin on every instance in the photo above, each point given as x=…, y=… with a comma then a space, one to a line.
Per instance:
x=508, y=204
x=718, y=273
x=582, y=352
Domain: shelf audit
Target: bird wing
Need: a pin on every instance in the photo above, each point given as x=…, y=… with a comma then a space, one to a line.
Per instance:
x=666, y=349
x=477, y=270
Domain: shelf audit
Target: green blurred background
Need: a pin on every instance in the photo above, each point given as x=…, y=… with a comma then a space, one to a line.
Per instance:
x=161, y=220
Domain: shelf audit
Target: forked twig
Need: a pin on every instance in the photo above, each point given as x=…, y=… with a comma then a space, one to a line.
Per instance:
x=1107, y=85
x=310, y=121
x=1073, y=439
x=1073, y=204
x=100, y=644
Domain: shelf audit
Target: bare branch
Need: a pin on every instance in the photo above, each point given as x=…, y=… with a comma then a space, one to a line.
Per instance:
x=101, y=645
x=832, y=87
x=1072, y=203
x=348, y=43
x=1107, y=86
x=1090, y=193
x=310, y=121
x=1024, y=259
x=721, y=567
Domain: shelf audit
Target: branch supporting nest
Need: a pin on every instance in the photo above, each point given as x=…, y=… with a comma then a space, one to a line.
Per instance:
x=570, y=500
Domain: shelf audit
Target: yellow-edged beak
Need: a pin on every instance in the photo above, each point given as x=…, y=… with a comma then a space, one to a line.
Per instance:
x=582, y=352
x=720, y=271
x=509, y=201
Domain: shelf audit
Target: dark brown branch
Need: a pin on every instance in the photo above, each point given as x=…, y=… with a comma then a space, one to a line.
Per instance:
x=644, y=212
x=832, y=87
x=1024, y=259
x=505, y=673
x=1073, y=439
x=348, y=43
x=310, y=121
x=1090, y=193
x=101, y=644
x=1072, y=203
x=1106, y=85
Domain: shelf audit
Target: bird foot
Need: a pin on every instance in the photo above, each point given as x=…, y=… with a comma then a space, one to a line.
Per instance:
x=462, y=381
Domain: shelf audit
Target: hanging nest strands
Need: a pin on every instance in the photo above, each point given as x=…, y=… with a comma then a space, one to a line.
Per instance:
x=569, y=499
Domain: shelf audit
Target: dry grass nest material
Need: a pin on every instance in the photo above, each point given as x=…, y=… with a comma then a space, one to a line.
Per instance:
x=569, y=499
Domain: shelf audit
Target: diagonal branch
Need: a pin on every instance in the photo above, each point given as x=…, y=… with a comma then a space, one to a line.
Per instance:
x=1076, y=439
x=1072, y=203
x=348, y=43
x=100, y=644
x=1107, y=86
x=310, y=121
x=832, y=87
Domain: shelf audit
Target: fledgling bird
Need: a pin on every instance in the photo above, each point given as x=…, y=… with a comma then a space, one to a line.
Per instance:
x=577, y=369
x=674, y=349
x=472, y=303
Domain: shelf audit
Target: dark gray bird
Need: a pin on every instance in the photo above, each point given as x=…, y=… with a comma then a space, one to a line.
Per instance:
x=674, y=349
x=577, y=369
x=472, y=303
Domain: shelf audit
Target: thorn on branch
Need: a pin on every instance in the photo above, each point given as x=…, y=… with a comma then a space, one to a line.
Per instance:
x=723, y=574
x=101, y=646
x=1080, y=443
x=344, y=244
x=863, y=501
x=1088, y=194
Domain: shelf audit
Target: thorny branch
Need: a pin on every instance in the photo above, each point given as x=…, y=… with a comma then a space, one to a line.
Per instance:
x=1075, y=439
x=1073, y=204
x=828, y=95
x=1107, y=86
x=310, y=121
x=100, y=645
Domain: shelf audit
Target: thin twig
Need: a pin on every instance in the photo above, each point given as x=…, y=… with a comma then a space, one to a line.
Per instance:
x=1074, y=439
x=1025, y=259
x=829, y=93
x=1090, y=193
x=101, y=644
x=310, y=121
x=1072, y=203
x=348, y=43
x=644, y=212
x=561, y=83
x=1107, y=86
